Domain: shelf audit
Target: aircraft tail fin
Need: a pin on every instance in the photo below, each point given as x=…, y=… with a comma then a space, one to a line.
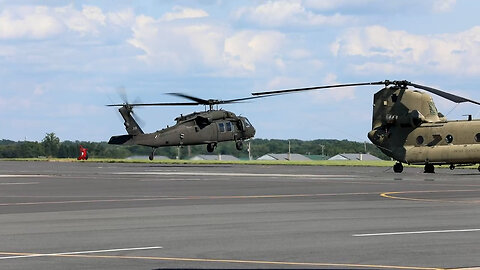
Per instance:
x=131, y=125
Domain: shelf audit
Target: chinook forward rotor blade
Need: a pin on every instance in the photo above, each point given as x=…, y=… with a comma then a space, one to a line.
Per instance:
x=446, y=95
x=451, y=97
x=276, y=92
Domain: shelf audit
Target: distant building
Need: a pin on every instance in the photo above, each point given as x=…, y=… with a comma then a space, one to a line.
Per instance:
x=146, y=157
x=317, y=157
x=286, y=156
x=215, y=157
x=368, y=157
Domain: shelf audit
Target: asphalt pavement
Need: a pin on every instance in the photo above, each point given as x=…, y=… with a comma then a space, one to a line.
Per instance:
x=84, y=215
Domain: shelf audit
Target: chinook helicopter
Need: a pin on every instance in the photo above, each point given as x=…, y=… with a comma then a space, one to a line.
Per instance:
x=208, y=127
x=407, y=127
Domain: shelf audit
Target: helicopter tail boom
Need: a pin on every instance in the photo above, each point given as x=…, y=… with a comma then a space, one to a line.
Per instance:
x=122, y=139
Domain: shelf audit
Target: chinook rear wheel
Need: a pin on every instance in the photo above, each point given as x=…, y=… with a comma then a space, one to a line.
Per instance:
x=398, y=167
x=429, y=168
x=152, y=155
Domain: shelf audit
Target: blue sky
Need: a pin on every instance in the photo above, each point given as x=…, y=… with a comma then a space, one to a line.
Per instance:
x=61, y=62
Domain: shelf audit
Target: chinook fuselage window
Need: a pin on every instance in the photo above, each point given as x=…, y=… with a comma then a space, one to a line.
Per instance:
x=221, y=127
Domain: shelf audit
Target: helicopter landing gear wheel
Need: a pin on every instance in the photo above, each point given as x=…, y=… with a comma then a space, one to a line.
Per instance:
x=429, y=168
x=239, y=145
x=452, y=167
x=211, y=147
x=151, y=156
x=398, y=167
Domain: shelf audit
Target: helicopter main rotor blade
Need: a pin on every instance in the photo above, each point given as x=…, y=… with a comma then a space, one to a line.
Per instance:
x=446, y=95
x=236, y=100
x=451, y=97
x=276, y=92
x=154, y=104
x=198, y=100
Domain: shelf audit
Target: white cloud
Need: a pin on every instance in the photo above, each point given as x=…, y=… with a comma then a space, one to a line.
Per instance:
x=334, y=94
x=447, y=53
x=86, y=21
x=28, y=22
x=441, y=6
x=184, y=13
x=246, y=48
x=123, y=18
x=177, y=47
x=41, y=22
x=208, y=46
x=288, y=13
x=335, y=4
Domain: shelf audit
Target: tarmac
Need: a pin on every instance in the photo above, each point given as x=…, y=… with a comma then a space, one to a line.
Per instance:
x=84, y=215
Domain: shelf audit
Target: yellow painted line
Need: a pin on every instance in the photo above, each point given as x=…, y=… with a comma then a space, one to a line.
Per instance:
x=391, y=195
x=192, y=198
x=317, y=264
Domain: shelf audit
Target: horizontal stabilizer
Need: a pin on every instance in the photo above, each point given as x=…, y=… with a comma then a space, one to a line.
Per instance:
x=122, y=139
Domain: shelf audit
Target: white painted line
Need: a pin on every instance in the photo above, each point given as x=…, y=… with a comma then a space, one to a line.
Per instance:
x=78, y=252
x=22, y=175
x=237, y=174
x=20, y=183
x=416, y=232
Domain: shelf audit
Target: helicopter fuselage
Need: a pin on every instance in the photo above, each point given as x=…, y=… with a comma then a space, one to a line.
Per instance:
x=208, y=127
x=452, y=142
x=191, y=132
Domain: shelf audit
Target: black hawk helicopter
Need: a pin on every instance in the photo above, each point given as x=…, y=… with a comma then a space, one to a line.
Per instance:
x=208, y=127
x=407, y=127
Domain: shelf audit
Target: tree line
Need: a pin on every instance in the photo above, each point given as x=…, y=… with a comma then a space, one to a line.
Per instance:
x=51, y=146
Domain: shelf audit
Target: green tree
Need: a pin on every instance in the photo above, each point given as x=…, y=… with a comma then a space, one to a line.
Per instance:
x=51, y=143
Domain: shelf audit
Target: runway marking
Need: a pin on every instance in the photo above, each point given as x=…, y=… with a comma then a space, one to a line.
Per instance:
x=416, y=232
x=163, y=198
x=180, y=259
x=31, y=255
x=237, y=174
x=390, y=196
x=23, y=175
x=20, y=183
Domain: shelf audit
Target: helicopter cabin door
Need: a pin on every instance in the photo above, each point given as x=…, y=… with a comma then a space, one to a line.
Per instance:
x=225, y=130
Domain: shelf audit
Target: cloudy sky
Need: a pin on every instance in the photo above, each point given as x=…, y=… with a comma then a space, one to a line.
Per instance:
x=61, y=61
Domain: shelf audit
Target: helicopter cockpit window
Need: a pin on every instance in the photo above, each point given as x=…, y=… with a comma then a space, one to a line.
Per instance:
x=229, y=126
x=247, y=123
x=433, y=109
x=221, y=127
